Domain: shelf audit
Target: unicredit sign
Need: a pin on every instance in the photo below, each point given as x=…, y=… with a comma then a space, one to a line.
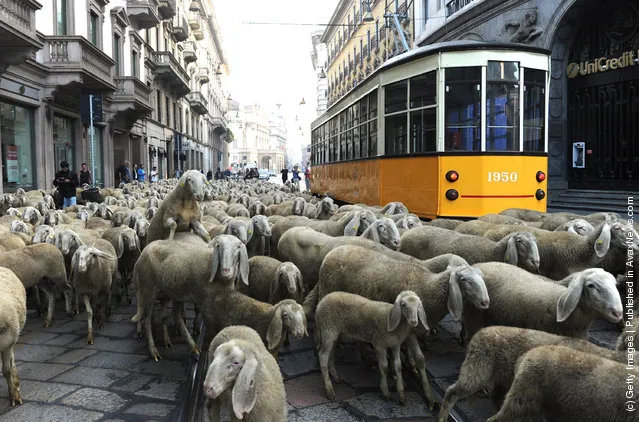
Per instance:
x=602, y=64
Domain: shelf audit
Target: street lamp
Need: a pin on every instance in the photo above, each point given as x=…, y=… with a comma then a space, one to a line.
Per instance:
x=368, y=15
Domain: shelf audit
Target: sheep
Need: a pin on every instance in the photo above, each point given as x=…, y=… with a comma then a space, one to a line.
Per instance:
x=42, y=266
x=563, y=253
x=43, y=234
x=10, y=241
x=259, y=242
x=523, y=214
x=13, y=316
x=409, y=221
x=244, y=377
x=180, y=209
x=491, y=357
x=294, y=207
x=307, y=248
x=551, y=382
x=272, y=281
x=554, y=220
x=501, y=219
x=99, y=224
x=444, y=223
x=383, y=231
x=518, y=248
x=578, y=226
x=521, y=299
x=237, y=227
x=127, y=246
x=238, y=210
x=93, y=271
x=272, y=322
x=185, y=273
x=381, y=324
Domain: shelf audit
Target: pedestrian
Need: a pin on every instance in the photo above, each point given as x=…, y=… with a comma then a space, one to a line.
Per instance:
x=86, y=178
x=124, y=172
x=307, y=178
x=284, y=175
x=154, y=175
x=296, y=174
x=66, y=181
x=141, y=174
x=209, y=174
x=218, y=174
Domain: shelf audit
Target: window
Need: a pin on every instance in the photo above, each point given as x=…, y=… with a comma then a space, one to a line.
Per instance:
x=63, y=140
x=534, y=110
x=167, y=110
x=423, y=96
x=502, y=106
x=16, y=124
x=158, y=106
x=463, y=109
x=361, y=51
x=396, y=97
x=62, y=11
x=94, y=28
x=117, y=49
x=368, y=50
x=135, y=64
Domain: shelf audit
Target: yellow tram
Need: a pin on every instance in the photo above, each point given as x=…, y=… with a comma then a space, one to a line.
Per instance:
x=454, y=129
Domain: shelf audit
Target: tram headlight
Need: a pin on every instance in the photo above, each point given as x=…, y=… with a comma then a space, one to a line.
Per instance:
x=541, y=176
x=452, y=176
x=452, y=194
x=540, y=194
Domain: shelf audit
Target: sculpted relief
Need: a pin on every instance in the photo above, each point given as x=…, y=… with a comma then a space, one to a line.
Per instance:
x=526, y=29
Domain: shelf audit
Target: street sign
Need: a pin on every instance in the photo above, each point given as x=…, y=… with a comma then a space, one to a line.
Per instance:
x=85, y=107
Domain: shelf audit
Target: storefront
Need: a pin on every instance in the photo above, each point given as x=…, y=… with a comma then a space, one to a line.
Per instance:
x=18, y=147
x=95, y=148
x=64, y=141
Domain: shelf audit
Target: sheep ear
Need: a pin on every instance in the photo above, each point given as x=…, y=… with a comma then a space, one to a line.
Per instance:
x=372, y=233
x=300, y=283
x=511, y=256
x=244, y=265
x=243, y=397
x=120, y=250
x=571, y=229
x=249, y=231
x=137, y=243
x=455, y=302
x=421, y=313
x=215, y=260
x=352, y=226
x=276, y=281
x=274, y=332
x=395, y=315
x=602, y=244
x=74, y=262
x=391, y=209
x=318, y=209
x=570, y=299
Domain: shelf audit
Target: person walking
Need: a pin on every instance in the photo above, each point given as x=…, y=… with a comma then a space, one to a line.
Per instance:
x=209, y=174
x=86, y=178
x=307, y=178
x=141, y=173
x=218, y=174
x=154, y=175
x=66, y=181
x=124, y=172
x=284, y=175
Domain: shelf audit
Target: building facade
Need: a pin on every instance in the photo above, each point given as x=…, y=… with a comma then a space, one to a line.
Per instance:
x=319, y=59
x=593, y=128
x=358, y=42
x=259, y=137
x=152, y=77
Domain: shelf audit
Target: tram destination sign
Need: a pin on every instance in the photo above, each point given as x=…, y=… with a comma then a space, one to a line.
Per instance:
x=602, y=64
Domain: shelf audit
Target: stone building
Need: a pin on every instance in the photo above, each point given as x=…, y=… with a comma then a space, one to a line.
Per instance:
x=319, y=59
x=593, y=150
x=152, y=70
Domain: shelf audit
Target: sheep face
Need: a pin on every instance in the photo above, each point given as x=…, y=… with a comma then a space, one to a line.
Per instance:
x=52, y=218
x=522, y=250
x=409, y=222
x=194, y=182
x=43, y=234
x=42, y=207
x=289, y=314
x=229, y=259
x=360, y=221
x=150, y=212
x=67, y=241
x=298, y=205
x=18, y=226
x=238, y=229
x=407, y=305
x=141, y=228
x=290, y=277
x=578, y=226
x=14, y=212
x=384, y=231
x=104, y=212
x=261, y=226
x=597, y=289
x=130, y=240
x=31, y=215
x=84, y=215
x=619, y=233
x=395, y=208
x=468, y=282
x=258, y=208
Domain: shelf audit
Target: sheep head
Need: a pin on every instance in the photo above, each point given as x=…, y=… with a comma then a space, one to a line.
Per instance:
x=298, y=205
x=466, y=282
x=150, y=212
x=257, y=208
x=289, y=315
x=408, y=305
x=395, y=208
x=383, y=231
x=229, y=259
x=522, y=250
x=234, y=364
x=104, y=211
x=31, y=215
x=84, y=256
x=598, y=291
x=409, y=222
x=239, y=229
x=261, y=226
x=141, y=228
x=622, y=233
x=192, y=183
x=359, y=222
x=289, y=277
x=43, y=234
x=577, y=226
x=84, y=214
x=67, y=241
x=18, y=226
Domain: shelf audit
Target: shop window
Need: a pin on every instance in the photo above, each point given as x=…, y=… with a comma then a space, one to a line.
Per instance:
x=502, y=106
x=534, y=109
x=18, y=150
x=463, y=109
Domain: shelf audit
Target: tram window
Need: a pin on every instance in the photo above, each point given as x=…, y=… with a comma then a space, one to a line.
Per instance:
x=396, y=97
x=423, y=137
x=372, y=139
x=363, y=140
x=423, y=90
x=355, y=114
x=395, y=134
x=534, y=109
x=363, y=109
x=372, y=105
x=502, y=106
x=356, y=142
x=349, y=145
x=463, y=109
x=342, y=147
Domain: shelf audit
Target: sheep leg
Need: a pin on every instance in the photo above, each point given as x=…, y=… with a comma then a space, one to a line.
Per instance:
x=148, y=327
x=170, y=224
x=331, y=367
x=87, y=305
x=199, y=229
x=10, y=373
x=382, y=362
x=523, y=402
x=326, y=348
x=76, y=305
x=399, y=380
x=68, y=300
x=38, y=300
x=420, y=364
x=51, y=299
x=182, y=324
x=165, y=325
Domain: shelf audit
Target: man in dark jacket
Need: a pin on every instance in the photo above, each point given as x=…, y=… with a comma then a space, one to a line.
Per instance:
x=66, y=181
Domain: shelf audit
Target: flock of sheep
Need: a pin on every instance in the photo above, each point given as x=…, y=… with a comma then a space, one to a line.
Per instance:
x=258, y=259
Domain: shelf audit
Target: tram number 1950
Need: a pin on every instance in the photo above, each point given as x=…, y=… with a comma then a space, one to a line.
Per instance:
x=504, y=176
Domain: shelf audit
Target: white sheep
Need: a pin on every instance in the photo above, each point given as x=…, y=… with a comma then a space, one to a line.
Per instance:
x=578, y=226
x=384, y=326
x=260, y=239
x=271, y=280
x=13, y=315
x=244, y=377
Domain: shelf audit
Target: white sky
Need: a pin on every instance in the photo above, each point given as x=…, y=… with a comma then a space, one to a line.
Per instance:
x=271, y=64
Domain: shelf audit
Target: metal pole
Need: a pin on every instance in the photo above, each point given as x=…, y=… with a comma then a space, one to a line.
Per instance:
x=92, y=142
x=400, y=31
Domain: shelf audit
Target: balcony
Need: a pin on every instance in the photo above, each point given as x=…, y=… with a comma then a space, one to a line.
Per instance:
x=73, y=59
x=170, y=70
x=131, y=100
x=17, y=31
x=203, y=75
x=143, y=14
x=195, y=20
x=180, y=29
x=167, y=8
x=453, y=6
x=190, y=52
x=219, y=123
x=197, y=102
